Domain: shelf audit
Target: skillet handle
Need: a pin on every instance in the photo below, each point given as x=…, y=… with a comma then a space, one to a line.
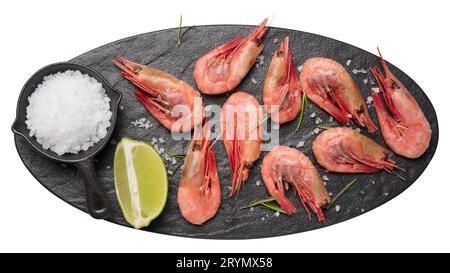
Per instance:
x=96, y=201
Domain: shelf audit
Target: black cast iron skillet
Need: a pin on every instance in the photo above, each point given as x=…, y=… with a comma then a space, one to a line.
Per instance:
x=96, y=201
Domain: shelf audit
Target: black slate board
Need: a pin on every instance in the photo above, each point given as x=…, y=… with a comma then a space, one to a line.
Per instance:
x=160, y=49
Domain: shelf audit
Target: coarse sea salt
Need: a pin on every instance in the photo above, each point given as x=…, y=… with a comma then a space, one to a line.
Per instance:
x=68, y=112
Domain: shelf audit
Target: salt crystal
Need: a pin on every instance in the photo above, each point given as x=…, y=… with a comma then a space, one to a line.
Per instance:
x=161, y=140
x=142, y=120
x=120, y=107
x=365, y=81
x=349, y=115
x=348, y=62
x=386, y=194
x=275, y=40
x=331, y=119
x=355, y=71
x=338, y=208
x=174, y=161
x=376, y=89
x=373, y=182
x=262, y=219
x=313, y=115
x=276, y=214
x=170, y=172
x=300, y=144
x=108, y=167
x=252, y=209
x=154, y=139
x=318, y=120
x=316, y=131
x=229, y=188
x=358, y=130
x=156, y=147
x=254, y=81
x=369, y=99
x=258, y=182
x=325, y=177
x=362, y=210
x=362, y=192
x=330, y=194
x=300, y=68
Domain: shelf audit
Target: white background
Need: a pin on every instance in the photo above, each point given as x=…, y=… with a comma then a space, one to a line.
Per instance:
x=412, y=34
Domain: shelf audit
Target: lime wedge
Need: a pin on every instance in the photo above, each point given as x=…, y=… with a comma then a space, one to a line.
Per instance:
x=140, y=179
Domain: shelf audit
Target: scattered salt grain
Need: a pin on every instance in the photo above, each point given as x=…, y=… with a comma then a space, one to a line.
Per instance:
x=313, y=115
x=68, y=112
x=300, y=68
x=170, y=172
x=325, y=178
x=258, y=182
x=386, y=194
x=276, y=214
x=316, y=131
x=262, y=219
x=275, y=40
x=358, y=130
x=161, y=140
x=156, y=147
x=331, y=119
x=252, y=209
x=318, y=120
x=300, y=144
x=349, y=115
x=108, y=167
x=373, y=182
x=348, y=62
x=365, y=81
x=356, y=71
x=121, y=107
x=254, y=81
x=362, y=192
x=229, y=188
x=362, y=210
x=174, y=161
x=376, y=89
x=369, y=100
x=338, y=208
x=330, y=194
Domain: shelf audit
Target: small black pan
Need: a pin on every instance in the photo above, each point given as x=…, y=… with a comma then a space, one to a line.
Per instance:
x=96, y=201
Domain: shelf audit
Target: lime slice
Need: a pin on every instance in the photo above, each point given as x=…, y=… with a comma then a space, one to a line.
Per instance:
x=141, y=184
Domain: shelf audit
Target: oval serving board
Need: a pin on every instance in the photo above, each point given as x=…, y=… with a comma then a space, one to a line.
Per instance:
x=160, y=50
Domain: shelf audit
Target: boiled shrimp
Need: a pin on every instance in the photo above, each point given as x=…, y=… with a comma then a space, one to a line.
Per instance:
x=223, y=68
x=242, y=137
x=282, y=92
x=344, y=150
x=407, y=132
x=330, y=86
x=199, y=189
x=169, y=100
x=284, y=166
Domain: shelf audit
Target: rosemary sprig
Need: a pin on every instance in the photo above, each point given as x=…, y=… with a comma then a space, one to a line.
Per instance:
x=268, y=203
x=320, y=126
x=181, y=33
x=176, y=169
x=304, y=103
x=176, y=155
x=179, y=30
x=348, y=186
